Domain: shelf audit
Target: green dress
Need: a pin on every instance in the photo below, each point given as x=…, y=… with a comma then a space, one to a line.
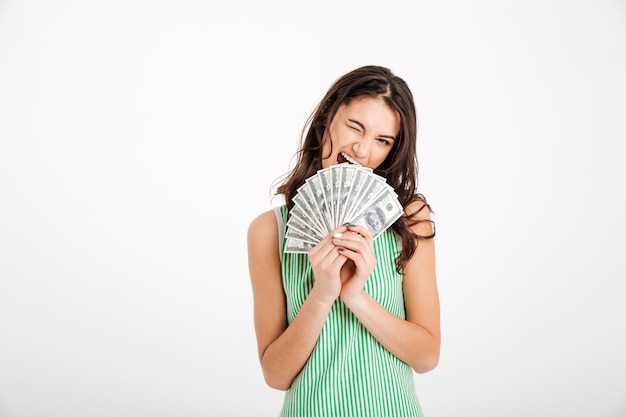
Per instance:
x=349, y=373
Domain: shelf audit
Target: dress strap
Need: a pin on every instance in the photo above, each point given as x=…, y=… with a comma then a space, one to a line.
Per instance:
x=280, y=219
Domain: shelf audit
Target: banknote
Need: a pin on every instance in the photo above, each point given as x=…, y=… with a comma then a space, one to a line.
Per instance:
x=307, y=214
x=317, y=190
x=299, y=228
x=343, y=193
x=381, y=214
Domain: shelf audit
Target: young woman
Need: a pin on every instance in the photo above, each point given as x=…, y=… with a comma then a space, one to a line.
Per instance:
x=342, y=327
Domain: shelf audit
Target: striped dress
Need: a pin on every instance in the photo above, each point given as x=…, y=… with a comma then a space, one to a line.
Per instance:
x=349, y=373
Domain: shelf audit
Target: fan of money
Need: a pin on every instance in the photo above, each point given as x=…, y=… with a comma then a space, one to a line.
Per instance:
x=343, y=193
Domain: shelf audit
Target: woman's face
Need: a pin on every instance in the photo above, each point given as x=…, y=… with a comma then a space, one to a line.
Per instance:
x=362, y=132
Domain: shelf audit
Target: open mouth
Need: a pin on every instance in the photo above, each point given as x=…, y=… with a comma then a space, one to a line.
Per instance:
x=342, y=157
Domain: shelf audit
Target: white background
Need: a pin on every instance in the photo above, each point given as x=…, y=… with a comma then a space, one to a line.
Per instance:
x=138, y=139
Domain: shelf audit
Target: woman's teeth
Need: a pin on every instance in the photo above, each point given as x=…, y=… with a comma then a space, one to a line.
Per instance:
x=349, y=159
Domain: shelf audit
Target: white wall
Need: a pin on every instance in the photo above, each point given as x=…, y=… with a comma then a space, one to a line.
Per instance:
x=138, y=139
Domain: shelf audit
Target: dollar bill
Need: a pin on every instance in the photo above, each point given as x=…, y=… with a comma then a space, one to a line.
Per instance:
x=325, y=177
x=371, y=190
x=297, y=246
x=380, y=215
x=336, y=177
x=336, y=195
x=346, y=189
x=296, y=222
x=317, y=190
x=307, y=215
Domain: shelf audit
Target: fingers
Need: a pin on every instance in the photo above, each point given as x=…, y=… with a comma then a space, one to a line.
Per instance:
x=325, y=245
x=324, y=254
x=343, y=238
x=354, y=237
x=356, y=243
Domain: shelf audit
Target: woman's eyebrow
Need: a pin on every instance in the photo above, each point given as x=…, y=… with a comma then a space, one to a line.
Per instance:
x=363, y=128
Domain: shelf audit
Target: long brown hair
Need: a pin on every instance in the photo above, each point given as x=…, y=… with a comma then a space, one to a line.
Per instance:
x=399, y=168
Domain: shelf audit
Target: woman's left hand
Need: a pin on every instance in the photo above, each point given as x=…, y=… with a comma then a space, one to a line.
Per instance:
x=356, y=244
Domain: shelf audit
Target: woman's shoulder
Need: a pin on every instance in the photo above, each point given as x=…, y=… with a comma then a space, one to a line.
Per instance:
x=264, y=223
x=263, y=244
x=269, y=224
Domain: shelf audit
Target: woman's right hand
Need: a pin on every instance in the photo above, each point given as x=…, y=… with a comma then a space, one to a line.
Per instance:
x=326, y=262
x=284, y=348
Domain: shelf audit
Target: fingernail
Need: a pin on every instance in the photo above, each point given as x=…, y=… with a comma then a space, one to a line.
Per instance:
x=346, y=224
x=340, y=249
x=351, y=225
x=336, y=240
x=338, y=235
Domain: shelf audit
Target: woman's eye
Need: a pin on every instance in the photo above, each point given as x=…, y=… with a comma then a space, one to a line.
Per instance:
x=384, y=141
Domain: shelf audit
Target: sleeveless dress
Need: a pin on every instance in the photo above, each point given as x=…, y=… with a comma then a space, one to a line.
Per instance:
x=349, y=373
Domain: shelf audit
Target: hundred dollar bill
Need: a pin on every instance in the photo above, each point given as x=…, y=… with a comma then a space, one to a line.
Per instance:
x=380, y=215
x=336, y=195
x=317, y=189
x=359, y=183
x=345, y=194
x=325, y=177
x=294, y=233
x=305, y=199
x=307, y=217
x=297, y=246
x=295, y=222
x=371, y=190
x=336, y=174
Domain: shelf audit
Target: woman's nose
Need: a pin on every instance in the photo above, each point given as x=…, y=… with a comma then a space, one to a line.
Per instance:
x=362, y=147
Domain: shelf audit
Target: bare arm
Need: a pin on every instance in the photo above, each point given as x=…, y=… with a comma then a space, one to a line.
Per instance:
x=284, y=349
x=417, y=339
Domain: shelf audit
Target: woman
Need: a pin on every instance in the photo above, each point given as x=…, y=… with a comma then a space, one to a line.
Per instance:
x=340, y=328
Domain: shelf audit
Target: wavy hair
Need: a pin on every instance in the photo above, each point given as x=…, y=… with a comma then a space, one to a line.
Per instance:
x=399, y=168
